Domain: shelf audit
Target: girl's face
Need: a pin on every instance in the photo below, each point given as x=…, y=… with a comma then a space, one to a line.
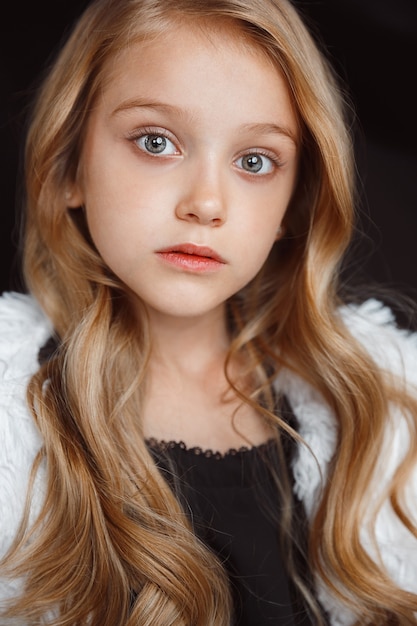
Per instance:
x=188, y=166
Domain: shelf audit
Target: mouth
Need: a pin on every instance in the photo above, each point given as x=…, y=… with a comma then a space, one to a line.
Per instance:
x=191, y=257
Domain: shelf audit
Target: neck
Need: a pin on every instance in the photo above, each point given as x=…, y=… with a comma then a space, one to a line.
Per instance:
x=189, y=345
x=187, y=396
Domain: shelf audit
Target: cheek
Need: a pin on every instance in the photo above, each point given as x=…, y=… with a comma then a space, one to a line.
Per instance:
x=264, y=230
x=255, y=247
x=118, y=210
x=264, y=217
x=262, y=250
x=109, y=240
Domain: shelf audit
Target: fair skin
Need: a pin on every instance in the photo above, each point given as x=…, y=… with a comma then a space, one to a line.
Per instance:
x=188, y=166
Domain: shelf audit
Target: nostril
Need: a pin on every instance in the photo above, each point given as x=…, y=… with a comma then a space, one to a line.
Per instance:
x=203, y=207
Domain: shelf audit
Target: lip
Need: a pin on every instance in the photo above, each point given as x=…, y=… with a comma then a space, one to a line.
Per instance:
x=191, y=257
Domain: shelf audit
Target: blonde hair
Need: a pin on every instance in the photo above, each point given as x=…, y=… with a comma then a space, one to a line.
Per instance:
x=110, y=526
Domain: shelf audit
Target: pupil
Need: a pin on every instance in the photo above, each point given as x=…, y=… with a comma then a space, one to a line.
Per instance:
x=252, y=162
x=155, y=143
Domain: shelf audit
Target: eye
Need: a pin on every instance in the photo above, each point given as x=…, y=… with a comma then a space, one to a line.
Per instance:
x=256, y=163
x=156, y=143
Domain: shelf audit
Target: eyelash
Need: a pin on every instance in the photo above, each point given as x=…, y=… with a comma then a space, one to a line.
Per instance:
x=160, y=132
x=275, y=160
x=144, y=132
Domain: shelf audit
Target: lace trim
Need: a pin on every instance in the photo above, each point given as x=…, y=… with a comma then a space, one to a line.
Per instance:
x=162, y=446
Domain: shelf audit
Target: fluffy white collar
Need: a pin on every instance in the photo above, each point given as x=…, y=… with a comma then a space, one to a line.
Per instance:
x=395, y=351
x=24, y=329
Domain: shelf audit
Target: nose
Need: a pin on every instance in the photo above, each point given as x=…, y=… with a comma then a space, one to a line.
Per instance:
x=203, y=198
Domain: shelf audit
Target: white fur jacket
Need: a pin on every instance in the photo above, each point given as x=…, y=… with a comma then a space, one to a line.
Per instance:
x=24, y=329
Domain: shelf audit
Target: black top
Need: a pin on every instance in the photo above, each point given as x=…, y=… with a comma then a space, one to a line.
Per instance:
x=226, y=497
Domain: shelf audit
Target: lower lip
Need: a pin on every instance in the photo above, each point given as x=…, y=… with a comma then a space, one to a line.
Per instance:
x=190, y=262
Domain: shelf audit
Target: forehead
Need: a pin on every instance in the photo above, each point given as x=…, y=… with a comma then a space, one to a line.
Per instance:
x=212, y=54
x=229, y=34
x=212, y=29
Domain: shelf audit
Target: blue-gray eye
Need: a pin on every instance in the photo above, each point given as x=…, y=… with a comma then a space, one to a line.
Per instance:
x=156, y=144
x=255, y=163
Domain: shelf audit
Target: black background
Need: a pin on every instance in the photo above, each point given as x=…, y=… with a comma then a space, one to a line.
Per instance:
x=373, y=44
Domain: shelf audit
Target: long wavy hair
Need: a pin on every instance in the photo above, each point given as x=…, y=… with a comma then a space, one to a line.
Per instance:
x=112, y=546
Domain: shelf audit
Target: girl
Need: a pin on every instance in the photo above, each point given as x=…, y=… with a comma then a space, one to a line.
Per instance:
x=190, y=198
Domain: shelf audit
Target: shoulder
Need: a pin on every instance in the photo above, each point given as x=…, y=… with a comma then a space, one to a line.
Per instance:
x=392, y=348
x=394, y=351
x=23, y=330
x=23, y=326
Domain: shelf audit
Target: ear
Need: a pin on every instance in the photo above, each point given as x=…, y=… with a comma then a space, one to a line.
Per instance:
x=74, y=198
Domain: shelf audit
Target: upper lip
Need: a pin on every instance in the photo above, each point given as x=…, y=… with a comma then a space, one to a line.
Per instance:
x=191, y=248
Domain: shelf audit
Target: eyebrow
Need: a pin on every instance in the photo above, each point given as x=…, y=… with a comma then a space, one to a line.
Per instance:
x=256, y=127
x=143, y=103
x=270, y=129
